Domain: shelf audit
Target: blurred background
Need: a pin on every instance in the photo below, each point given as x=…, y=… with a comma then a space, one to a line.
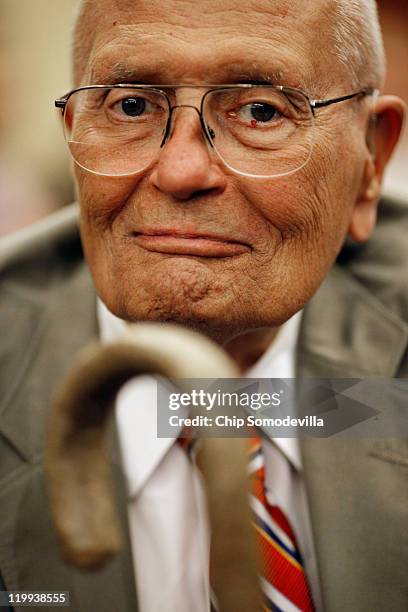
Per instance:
x=34, y=70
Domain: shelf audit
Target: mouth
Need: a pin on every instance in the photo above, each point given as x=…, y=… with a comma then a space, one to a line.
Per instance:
x=173, y=242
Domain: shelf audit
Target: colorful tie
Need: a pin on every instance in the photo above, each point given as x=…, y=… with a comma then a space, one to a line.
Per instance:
x=284, y=581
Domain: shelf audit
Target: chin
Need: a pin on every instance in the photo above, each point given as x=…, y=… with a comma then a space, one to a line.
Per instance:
x=212, y=304
x=214, y=320
x=214, y=325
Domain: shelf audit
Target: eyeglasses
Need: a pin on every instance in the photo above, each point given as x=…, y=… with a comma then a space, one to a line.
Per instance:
x=259, y=131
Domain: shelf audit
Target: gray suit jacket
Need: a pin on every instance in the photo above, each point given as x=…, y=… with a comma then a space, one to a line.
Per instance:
x=356, y=326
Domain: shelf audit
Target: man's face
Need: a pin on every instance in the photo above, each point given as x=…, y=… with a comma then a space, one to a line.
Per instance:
x=239, y=253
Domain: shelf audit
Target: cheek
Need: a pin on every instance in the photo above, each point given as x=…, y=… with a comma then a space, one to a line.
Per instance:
x=102, y=198
x=288, y=204
x=310, y=209
x=101, y=201
x=317, y=200
x=337, y=173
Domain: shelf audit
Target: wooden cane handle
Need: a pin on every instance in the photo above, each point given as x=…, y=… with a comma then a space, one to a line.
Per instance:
x=78, y=471
x=76, y=461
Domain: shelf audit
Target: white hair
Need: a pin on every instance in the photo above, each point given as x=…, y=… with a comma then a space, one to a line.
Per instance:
x=358, y=43
x=356, y=37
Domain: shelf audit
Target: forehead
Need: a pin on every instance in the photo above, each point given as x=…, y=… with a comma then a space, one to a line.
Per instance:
x=205, y=41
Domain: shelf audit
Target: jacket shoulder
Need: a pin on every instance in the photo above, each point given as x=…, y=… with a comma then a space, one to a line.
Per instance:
x=380, y=265
x=48, y=315
x=37, y=254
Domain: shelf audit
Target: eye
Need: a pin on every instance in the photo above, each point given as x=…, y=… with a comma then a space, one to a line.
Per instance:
x=137, y=107
x=260, y=112
x=133, y=107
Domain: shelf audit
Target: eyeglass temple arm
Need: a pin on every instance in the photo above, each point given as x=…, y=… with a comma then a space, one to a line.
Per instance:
x=322, y=103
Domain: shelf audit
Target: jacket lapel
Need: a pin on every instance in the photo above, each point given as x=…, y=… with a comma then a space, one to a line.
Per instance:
x=355, y=499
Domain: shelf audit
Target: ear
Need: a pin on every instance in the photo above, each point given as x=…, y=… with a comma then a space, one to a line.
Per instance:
x=383, y=133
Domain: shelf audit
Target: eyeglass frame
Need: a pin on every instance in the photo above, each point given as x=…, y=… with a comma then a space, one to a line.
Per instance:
x=314, y=104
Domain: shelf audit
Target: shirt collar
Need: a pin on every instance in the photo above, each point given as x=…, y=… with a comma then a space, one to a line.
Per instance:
x=279, y=361
x=111, y=328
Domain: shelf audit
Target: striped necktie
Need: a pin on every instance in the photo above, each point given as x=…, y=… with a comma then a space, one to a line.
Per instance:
x=284, y=582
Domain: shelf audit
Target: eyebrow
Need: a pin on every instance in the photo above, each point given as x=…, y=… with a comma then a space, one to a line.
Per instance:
x=120, y=72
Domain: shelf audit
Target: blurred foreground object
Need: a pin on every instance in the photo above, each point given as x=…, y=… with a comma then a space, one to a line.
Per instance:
x=77, y=467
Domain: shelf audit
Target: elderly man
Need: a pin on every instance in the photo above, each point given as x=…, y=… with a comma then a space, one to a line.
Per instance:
x=223, y=154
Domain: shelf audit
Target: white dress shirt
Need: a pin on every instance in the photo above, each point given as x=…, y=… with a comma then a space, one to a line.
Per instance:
x=166, y=506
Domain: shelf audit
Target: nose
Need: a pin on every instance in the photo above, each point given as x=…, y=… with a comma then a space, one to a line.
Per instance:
x=185, y=166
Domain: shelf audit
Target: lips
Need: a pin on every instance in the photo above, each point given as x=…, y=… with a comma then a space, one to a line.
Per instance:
x=174, y=242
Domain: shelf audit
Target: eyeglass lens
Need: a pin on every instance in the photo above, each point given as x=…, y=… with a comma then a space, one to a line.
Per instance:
x=258, y=131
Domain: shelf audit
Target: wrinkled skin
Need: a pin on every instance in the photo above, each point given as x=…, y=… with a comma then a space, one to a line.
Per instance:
x=291, y=228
